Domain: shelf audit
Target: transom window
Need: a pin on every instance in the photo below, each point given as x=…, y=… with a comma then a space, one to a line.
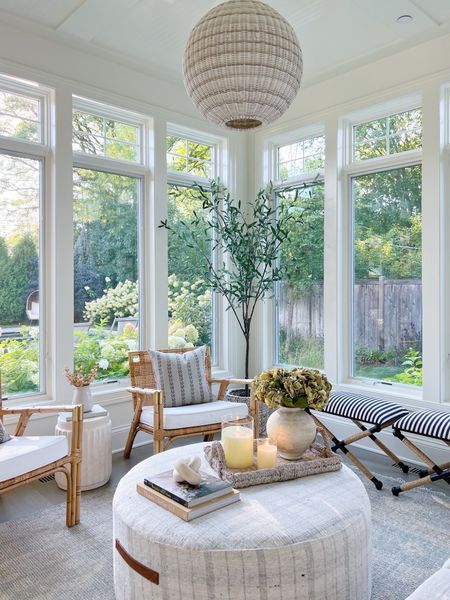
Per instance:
x=20, y=116
x=389, y=135
x=111, y=138
x=189, y=156
x=303, y=157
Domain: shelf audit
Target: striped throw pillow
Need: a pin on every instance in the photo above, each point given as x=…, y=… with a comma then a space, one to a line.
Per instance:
x=4, y=435
x=181, y=376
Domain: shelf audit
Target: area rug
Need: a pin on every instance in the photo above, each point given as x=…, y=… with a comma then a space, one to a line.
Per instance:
x=40, y=559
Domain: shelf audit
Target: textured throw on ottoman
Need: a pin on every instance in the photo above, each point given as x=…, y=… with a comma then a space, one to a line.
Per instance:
x=295, y=540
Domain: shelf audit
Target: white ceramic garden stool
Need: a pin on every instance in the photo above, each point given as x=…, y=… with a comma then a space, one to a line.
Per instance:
x=96, y=465
x=294, y=540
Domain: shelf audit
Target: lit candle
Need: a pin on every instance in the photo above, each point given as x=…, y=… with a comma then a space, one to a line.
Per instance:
x=237, y=444
x=266, y=455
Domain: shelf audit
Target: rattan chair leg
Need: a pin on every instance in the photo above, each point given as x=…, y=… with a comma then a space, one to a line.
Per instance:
x=130, y=439
x=208, y=437
x=158, y=446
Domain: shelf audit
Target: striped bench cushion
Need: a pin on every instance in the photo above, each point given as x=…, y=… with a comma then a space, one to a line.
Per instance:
x=363, y=408
x=432, y=423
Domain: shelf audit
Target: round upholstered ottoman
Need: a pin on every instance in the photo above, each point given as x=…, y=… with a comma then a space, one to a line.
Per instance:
x=306, y=539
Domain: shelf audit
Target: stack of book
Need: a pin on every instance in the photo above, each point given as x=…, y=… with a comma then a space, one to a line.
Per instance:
x=187, y=501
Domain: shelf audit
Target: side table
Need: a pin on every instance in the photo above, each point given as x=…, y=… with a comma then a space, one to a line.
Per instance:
x=96, y=465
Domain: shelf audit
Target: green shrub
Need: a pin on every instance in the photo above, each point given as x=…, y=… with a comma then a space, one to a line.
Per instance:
x=190, y=303
x=19, y=362
x=107, y=348
x=412, y=375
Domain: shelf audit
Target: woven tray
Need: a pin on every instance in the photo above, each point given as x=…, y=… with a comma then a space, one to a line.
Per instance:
x=318, y=459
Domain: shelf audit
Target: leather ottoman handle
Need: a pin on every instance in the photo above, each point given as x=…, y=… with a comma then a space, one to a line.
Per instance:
x=146, y=572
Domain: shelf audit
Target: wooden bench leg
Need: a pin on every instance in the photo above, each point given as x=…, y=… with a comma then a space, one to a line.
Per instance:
x=383, y=447
x=434, y=473
x=341, y=445
x=445, y=475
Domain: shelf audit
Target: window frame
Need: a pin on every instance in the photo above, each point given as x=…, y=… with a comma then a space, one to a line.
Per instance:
x=350, y=169
x=142, y=173
x=218, y=358
x=304, y=179
x=41, y=152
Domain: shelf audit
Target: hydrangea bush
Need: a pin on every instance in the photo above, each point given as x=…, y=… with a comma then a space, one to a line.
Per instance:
x=292, y=388
x=119, y=301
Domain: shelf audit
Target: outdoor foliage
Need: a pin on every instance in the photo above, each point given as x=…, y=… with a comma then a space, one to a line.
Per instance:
x=19, y=360
x=119, y=301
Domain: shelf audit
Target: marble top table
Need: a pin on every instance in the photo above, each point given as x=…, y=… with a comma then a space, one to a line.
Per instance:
x=305, y=539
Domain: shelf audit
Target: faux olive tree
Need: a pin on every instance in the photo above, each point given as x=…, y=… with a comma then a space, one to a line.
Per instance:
x=245, y=240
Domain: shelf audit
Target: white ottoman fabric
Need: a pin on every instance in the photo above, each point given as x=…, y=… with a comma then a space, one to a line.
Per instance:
x=26, y=453
x=296, y=540
x=195, y=415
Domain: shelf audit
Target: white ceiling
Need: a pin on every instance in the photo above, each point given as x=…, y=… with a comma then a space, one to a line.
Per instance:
x=335, y=35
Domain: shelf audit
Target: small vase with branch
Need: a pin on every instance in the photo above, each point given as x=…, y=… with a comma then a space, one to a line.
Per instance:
x=81, y=384
x=245, y=240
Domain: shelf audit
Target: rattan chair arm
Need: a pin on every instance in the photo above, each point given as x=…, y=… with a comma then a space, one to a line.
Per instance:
x=25, y=413
x=38, y=409
x=143, y=391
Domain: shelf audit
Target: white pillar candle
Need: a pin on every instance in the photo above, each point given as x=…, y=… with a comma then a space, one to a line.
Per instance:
x=237, y=444
x=266, y=455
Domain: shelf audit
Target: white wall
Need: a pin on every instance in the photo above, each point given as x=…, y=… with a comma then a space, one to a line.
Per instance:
x=70, y=70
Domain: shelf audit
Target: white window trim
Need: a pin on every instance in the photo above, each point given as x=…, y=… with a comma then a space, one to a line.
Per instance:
x=349, y=170
x=269, y=307
x=142, y=172
x=221, y=361
x=40, y=151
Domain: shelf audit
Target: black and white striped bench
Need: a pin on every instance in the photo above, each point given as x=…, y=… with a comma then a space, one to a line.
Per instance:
x=429, y=423
x=370, y=415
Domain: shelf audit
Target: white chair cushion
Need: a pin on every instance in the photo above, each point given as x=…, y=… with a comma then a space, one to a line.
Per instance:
x=25, y=453
x=194, y=415
x=436, y=587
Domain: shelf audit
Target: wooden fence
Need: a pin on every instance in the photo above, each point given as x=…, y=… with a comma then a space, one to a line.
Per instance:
x=387, y=313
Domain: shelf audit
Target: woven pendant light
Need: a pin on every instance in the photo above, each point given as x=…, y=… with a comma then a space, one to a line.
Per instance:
x=242, y=64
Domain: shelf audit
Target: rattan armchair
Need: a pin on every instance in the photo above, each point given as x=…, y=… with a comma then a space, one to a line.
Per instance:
x=69, y=464
x=144, y=394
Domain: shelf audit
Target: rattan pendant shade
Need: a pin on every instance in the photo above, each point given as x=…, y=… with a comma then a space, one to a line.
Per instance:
x=242, y=64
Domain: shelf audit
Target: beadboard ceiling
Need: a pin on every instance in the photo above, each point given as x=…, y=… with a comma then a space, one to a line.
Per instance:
x=150, y=35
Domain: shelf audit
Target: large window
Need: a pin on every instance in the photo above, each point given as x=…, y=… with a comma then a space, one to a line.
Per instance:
x=387, y=285
x=387, y=250
x=299, y=323
x=191, y=306
x=106, y=211
x=21, y=205
x=106, y=307
x=20, y=301
x=299, y=300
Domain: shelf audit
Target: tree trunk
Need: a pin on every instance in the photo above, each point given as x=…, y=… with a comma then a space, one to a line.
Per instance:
x=247, y=354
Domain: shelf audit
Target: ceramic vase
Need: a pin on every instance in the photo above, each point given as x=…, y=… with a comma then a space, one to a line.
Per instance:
x=294, y=431
x=83, y=395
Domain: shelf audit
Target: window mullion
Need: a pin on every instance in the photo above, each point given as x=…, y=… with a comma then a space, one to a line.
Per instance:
x=434, y=364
